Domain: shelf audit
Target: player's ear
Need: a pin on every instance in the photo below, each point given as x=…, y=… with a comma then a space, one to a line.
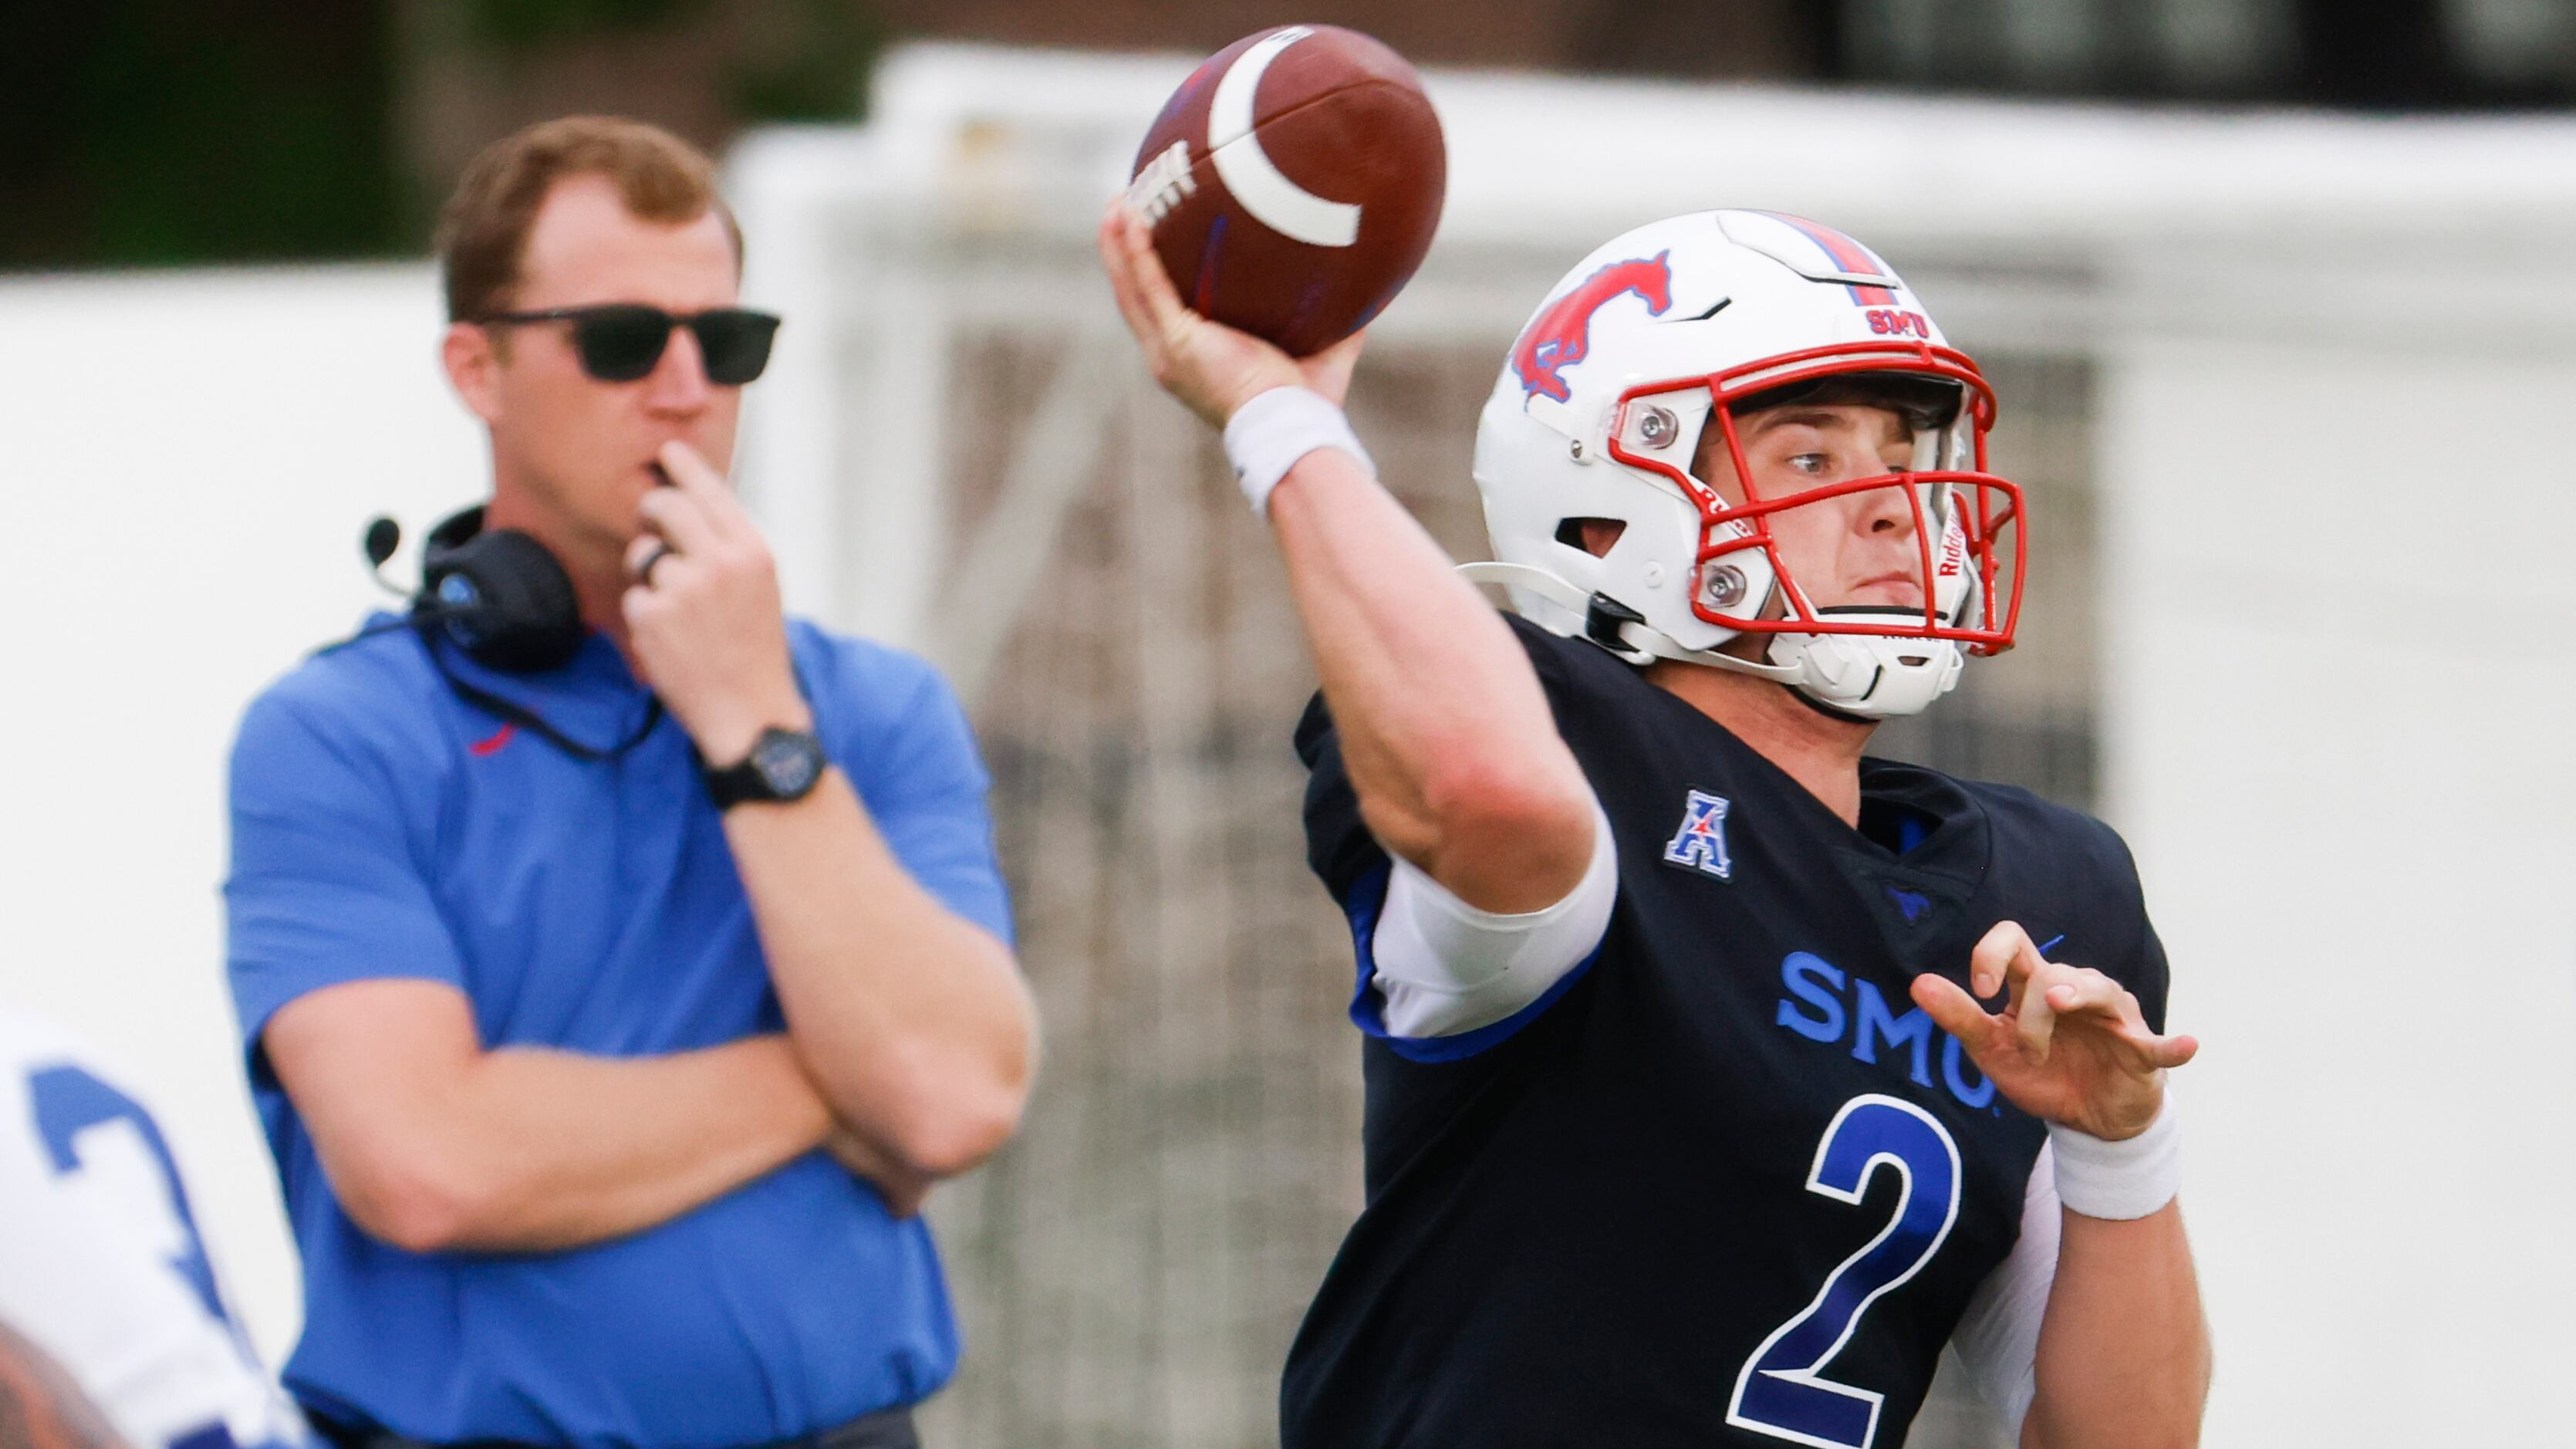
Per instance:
x=472, y=368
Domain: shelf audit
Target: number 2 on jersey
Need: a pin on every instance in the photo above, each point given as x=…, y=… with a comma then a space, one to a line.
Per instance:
x=1781, y=1390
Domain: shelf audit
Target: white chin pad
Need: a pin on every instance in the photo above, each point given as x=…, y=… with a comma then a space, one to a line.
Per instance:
x=1872, y=676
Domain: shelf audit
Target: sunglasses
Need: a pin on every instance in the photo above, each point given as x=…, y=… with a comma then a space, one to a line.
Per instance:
x=623, y=341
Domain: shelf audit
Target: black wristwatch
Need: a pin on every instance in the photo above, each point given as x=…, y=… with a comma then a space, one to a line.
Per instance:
x=783, y=765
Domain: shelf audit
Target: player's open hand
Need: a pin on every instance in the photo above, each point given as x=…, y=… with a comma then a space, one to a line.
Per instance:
x=1212, y=368
x=703, y=614
x=2070, y=1045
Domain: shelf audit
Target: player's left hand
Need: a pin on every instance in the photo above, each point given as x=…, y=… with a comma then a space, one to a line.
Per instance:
x=2070, y=1045
x=703, y=615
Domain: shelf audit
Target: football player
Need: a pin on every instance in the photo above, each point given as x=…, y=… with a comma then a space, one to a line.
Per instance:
x=101, y=1264
x=1717, y=1075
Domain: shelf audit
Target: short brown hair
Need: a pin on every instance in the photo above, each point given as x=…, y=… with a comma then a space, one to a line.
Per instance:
x=483, y=230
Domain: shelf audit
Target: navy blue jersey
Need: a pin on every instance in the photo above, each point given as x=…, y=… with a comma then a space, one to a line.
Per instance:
x=1726, y=1184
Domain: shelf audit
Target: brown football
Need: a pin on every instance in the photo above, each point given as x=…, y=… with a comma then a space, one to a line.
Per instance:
x=1293, y=182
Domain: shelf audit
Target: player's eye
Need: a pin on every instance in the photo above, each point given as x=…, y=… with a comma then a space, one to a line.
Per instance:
x=1812, y=464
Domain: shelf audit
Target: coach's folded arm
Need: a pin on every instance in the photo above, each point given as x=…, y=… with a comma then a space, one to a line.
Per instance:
x=433, y=1143
x=911, y=1021
x=910, y=1057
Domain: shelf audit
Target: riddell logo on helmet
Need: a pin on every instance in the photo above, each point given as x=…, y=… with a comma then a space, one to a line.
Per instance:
x=1561, y=336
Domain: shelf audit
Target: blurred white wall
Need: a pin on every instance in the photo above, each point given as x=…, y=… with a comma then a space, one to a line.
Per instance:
x=2339, y=695
x=190, y=460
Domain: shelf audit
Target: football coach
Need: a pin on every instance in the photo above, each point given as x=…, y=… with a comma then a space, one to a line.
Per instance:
x=618, y=961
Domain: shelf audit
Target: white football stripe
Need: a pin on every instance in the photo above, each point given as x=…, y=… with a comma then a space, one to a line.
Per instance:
x=1275, y=201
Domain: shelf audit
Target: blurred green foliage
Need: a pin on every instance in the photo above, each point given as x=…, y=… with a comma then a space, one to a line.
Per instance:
x=161, y=132
x=157, y=131
x=532, y=24
x=812, y=65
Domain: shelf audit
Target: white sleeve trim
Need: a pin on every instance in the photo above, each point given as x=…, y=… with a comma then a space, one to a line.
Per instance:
x=1444, y=967
x=1998, y=1338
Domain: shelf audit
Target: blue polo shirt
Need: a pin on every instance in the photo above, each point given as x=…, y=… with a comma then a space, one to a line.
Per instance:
x=382, y=827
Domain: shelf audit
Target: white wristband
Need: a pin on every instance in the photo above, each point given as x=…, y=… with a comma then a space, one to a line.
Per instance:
x=2119, y=1180
x=1267, y=435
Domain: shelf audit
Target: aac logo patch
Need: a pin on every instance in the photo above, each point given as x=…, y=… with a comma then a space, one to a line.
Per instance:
x=1701, y=842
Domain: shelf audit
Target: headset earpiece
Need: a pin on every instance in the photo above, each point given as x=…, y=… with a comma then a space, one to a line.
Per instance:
x=503, y=599
x=500, y=595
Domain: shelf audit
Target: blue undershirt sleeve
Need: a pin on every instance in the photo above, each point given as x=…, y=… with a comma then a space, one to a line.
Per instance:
x=325, y=885
x=925, y=786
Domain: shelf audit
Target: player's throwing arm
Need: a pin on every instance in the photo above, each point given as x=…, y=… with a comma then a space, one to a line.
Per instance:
x=1445, y=732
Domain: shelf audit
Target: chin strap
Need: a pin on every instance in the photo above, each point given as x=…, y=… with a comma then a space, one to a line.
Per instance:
x=1613, y=625
x=1825, y=665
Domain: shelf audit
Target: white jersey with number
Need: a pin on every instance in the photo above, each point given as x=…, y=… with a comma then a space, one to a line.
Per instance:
x=100, y=1263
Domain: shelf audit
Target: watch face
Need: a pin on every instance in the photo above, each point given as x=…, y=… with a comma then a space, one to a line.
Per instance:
x=787, y=763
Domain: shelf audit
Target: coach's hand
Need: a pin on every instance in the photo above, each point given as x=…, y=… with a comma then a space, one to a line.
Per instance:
x=1212, y=368
x=2070, y=1045
x=703, y=614
x=903, y=1189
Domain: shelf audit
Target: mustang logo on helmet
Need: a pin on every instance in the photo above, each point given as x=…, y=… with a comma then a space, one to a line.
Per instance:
x=1561, y=335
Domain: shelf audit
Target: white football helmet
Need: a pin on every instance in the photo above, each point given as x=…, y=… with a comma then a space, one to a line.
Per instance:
x=1598, y=414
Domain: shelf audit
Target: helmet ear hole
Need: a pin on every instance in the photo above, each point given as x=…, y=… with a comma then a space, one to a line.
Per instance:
x=1595, y=536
